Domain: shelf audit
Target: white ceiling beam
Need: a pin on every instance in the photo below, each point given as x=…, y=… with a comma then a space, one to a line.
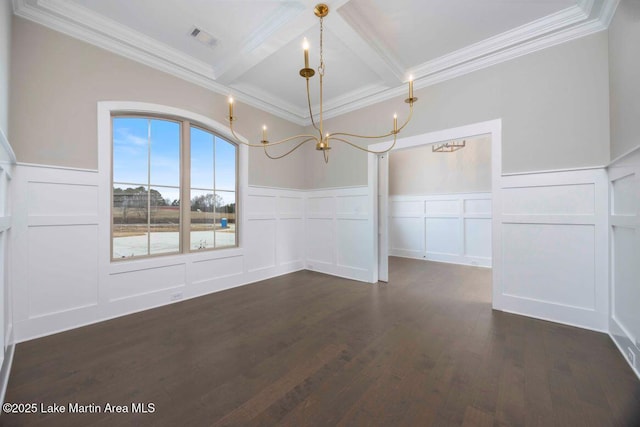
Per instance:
x=265, y=43
x=274, y=35
x=390, y=73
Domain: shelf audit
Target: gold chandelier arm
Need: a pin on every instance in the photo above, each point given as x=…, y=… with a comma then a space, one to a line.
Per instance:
x=291, y=138
x=269, y=144
x=248, y=144
x=353, y=135
x=288, y=152
x=408, y=118
x=366, y=149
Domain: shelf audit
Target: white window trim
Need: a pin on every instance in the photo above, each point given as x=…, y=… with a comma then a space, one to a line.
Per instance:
x=105, y=111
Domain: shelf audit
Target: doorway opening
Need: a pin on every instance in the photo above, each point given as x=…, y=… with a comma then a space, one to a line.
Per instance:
x=445, y=216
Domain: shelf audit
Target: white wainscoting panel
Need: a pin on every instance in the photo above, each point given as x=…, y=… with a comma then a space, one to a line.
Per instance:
x=274, y=241
x=262, y=252
x=61, y=268
x=56, y=246
x=550, y=263
x=407, y=236
x=135, y=283
x=549, y=200
x=477, y=237
x=339, y=233
x=290, y=240
x=62, y=265
x=209, y=271
x=320, y=243
x=44, y=199
x=554, y=247
x=348, y=244
x=454, y=228
x=624, y=220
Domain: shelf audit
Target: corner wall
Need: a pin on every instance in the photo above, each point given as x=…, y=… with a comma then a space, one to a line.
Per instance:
x=624, y=235
x=624, y=181
x=7, y=161
x=624, y=69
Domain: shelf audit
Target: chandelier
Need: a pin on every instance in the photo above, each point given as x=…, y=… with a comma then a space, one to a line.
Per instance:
x=322, y=140
x=448, y=147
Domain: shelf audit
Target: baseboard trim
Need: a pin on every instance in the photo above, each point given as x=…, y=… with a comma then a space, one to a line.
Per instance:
x=546, y=319
x=6, y=367
x=621, y=339
x=633, y=368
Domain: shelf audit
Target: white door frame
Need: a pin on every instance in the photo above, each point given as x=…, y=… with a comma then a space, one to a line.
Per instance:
x=383, y=217
x=492, y=127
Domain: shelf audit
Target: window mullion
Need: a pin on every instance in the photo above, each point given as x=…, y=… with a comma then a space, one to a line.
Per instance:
x=215, y=245
x=149, y=187
x=185, y=188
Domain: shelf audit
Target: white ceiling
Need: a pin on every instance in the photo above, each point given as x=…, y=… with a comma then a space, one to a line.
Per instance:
x=370, y=46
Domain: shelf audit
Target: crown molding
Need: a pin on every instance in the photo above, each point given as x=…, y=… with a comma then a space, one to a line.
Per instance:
x=78, y=22
x=241, y=92
x=73, y=29
x=572, y=33
x=535, y=29
x=96, y=23
x=364, y=30
x=608, y=10
x=284, y=13
x=586, y=5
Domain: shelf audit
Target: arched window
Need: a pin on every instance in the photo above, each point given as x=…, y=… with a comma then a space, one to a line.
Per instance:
x=174, y=187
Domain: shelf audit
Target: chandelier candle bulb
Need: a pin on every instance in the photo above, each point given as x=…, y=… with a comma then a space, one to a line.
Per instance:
x=264, y=133
x=305, y=47
x=410, y=87
x=230, y=108
x=395, y=123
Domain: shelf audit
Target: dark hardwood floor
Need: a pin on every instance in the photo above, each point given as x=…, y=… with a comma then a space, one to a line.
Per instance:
x=308, y=349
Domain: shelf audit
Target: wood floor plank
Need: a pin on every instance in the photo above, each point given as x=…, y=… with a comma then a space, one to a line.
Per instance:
x=306, y=349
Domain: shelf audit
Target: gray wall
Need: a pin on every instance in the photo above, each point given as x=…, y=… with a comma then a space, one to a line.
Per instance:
x=5, y=46
x=57, y=81
x=624, y=72
x=420, y=171
x=554, y=106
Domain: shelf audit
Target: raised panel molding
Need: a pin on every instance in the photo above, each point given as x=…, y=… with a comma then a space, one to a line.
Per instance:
x=453, y=228
x=549, y=200
x=339, y=233
x=65, y=281
x=554, y=247
x=624, y=235
x=62, y=266
x=45, y=197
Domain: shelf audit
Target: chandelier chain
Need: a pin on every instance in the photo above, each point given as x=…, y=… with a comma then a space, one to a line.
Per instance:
x=321, y=67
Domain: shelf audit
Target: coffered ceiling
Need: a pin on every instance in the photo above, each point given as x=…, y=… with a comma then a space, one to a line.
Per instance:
x=252, y=48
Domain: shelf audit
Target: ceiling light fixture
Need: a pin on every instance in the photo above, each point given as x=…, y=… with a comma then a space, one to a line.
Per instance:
x=323, y=139
x=448, y=147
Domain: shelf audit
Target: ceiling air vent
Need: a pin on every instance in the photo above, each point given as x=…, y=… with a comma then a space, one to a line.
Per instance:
x=203, y=37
